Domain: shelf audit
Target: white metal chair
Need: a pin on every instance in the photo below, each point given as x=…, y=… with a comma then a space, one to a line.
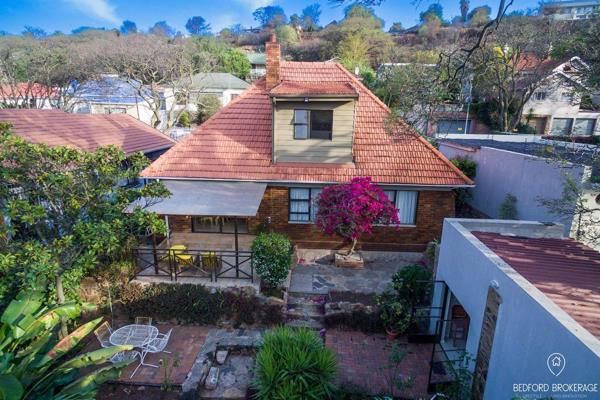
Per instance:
x=143, y=320
x=154, y=346
x=103, y=333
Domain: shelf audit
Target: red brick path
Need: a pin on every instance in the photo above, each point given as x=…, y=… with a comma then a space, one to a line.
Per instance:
x=362, y=360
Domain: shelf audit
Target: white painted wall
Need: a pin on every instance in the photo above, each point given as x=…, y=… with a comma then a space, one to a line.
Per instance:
x=528, y=178
x=529, y=327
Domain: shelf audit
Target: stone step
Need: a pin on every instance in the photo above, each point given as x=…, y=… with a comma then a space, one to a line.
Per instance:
x=305, y=323
x=316, y=305
x=293, y=313
x=314, y=292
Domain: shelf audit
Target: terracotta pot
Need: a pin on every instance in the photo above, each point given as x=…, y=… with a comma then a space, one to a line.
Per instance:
x=391, y=334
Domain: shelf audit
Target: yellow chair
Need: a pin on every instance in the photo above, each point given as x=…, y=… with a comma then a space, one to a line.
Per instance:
x=177, y=254
x=211, y=262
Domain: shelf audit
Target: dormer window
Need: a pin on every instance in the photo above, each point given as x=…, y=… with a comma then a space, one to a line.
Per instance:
x=313, y=124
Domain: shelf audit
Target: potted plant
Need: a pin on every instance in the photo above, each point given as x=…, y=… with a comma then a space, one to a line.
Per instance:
x=351, y=210
x=394, y=314
x=271, y=259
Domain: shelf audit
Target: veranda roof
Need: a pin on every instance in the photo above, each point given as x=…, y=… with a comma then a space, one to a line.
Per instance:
x=211, y=198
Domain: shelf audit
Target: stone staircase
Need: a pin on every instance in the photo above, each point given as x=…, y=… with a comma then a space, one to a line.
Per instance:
x=306, y=309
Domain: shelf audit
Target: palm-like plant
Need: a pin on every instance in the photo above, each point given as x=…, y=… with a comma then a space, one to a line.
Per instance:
x=294, y=365
x=34, y=362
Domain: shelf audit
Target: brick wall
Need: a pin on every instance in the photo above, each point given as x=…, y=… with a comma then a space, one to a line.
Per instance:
x=432, y=208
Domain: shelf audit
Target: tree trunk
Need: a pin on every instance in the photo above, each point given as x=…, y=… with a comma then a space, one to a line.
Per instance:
x=354, y=241
x=60, y=296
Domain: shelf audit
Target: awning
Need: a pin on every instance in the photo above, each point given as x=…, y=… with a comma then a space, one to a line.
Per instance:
x=234, y=199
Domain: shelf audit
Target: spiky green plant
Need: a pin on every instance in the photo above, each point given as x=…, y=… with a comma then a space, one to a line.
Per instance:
x=36, y=364
x=294, y=365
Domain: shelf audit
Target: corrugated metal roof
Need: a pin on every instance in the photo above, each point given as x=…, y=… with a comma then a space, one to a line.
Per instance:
x=566, y=271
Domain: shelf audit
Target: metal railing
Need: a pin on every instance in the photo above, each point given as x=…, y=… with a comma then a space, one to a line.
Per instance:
x=194, y=263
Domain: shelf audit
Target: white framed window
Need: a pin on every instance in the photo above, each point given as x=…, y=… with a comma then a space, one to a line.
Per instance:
x=584, y=126
x=303, y=204
x=540, y=96
x=567, y=97
x=561, y=126
x=406, y=203
x=313, y=124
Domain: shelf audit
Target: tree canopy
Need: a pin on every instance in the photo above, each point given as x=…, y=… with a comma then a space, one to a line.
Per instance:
x=270, y=16
x=198, y=26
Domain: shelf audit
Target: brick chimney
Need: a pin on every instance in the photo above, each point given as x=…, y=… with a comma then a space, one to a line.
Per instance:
x=273, y=50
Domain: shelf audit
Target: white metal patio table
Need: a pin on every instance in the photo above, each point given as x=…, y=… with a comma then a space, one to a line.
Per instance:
x=136, y=336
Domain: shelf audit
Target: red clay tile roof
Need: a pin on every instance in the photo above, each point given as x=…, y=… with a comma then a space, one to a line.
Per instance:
x=314, y=89
x=86, y=132
x=236, y=143
x=31, y=90
x=566, y=271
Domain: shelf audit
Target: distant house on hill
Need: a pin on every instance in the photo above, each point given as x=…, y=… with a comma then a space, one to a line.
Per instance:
x=259, y=65
x=223, y=85
x=571, y=10
x=27, y=95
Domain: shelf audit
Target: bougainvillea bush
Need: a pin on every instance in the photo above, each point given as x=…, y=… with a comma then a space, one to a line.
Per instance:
x=352, y=209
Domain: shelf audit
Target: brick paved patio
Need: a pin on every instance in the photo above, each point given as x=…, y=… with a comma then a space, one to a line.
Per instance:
x=362, y=360
x=185, y=343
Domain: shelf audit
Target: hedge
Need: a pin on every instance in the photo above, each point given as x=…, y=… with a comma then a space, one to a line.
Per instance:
x=195, y=304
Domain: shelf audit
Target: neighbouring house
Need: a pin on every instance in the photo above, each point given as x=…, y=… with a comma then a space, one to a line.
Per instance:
x=28, y=95
x=261, y=161
x=86, y=132
x=223, y=85
x=445, y=123
x=571, y=10
x=524, y=170
x=523, y=302
x=258, y=61
x=110, y=94
x=556, y=107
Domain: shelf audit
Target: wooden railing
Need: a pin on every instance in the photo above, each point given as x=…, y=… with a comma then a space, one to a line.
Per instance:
x=194, y=263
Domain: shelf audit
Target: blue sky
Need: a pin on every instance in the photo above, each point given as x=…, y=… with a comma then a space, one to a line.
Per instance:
x=65, y=15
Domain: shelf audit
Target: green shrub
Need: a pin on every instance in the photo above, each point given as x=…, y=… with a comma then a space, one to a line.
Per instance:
x=193, y=304
x=271, y=258
x=394, y=314
x=294, y=365
x=412, y=285
x=508, y=208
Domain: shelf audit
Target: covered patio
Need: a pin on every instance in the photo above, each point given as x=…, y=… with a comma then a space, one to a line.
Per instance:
x=216, y=251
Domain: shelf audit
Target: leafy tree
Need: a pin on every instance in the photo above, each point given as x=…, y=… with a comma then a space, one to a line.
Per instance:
x=286, y=35
x=128, y=27
x=208, y=105
x=235, y=62
x=354, y=52
x=67, y=212
x=237, y=29
x=34, y=32
x=352, y=209
x=479, y=16
x=162, y=28
x=198, y=26
x=184, y=119
x=310, y=17
x=464, y=9
x=295, y=20
x=35, y=364
x=435, y=10
x=84, y=29
x=396, y=27
x=270, y=16
x=271, y=258
x=508, y=208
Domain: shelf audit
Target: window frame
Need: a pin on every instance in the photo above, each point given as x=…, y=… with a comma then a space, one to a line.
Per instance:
x=310, y=206
x=543, y=94
x=309, y=123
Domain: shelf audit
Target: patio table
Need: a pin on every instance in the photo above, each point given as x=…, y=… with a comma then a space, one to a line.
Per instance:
x=135, y=335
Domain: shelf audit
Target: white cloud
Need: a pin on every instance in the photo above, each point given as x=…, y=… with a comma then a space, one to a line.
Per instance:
x=254, y=4
x=100, y=9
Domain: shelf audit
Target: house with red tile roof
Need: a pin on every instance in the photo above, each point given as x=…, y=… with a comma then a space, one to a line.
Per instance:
x=524, y=302
x=86, y=132
x=303, y=126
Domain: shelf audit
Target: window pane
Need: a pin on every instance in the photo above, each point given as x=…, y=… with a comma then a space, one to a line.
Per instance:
x=584, y=126
x=299, y=194
x=406, y=202
x=229, y=225
x=299, y=206
x=300, y=131
x=301, y=117
x=206, y=224
x=390, y=194
x=315, y=193
x=299, y=217
x=321, y=124
x=561, y=126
